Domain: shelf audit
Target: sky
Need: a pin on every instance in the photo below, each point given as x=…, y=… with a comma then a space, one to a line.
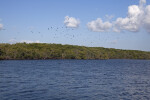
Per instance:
x=120, y=24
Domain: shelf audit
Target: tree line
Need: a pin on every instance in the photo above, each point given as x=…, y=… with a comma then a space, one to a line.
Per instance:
x=58, y=51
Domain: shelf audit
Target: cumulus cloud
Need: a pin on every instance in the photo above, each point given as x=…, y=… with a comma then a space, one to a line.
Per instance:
x=99, y=26
x=1, y=26
x=138, y=17
x=131, y=22
x=71, y=22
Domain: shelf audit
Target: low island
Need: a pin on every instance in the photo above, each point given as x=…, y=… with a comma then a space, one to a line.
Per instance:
x=21, y=51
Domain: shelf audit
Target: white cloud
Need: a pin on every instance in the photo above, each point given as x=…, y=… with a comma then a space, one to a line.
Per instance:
x=1, y=26
x=138, y=17
x=71, y=22
x=99, y=26
x=130, y=23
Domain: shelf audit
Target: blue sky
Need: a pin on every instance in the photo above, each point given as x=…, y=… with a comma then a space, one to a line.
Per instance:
x=88, y=23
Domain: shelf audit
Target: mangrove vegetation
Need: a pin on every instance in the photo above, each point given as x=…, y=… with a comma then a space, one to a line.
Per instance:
x=58, y=51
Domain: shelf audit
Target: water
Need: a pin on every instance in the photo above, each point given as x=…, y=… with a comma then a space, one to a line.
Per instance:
x=75, y=80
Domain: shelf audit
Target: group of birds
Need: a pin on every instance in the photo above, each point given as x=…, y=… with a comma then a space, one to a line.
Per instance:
x=55, y=32
x=65, y=32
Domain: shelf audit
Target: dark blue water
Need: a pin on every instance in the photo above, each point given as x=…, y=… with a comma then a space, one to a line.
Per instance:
x=75, y=80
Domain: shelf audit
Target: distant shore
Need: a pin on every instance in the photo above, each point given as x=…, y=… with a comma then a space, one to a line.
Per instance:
x=41, y=51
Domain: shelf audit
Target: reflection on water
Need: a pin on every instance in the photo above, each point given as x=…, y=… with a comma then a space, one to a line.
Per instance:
x=75, y=80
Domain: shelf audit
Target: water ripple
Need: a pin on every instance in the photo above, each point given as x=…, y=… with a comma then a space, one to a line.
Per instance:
x=75, y=80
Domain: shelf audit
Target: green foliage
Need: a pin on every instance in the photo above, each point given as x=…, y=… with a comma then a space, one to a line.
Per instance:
x=58, y=51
